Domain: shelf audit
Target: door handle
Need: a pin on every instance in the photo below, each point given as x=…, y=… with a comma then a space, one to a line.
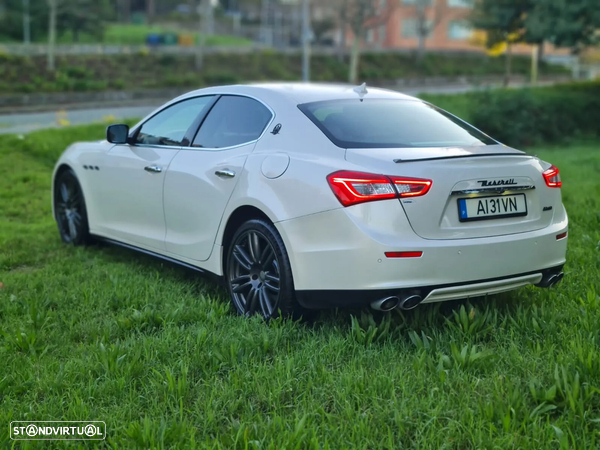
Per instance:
x=153, y=169
x=225, y=173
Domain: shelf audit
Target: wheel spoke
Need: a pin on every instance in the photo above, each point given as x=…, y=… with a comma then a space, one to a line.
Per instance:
x=242, y=257
x=265, y=303
x=254, y=247
x=76, y=218
x=72, y=228
x=250, y=305
x=64, y=193
x=75, y=198
x=267, y=257
x=272, y=278
x=240, y=279
x=240, y=287
x=272, y=288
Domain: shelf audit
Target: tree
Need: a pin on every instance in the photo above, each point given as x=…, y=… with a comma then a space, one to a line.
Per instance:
x=125, y=10
x=564, y=23
x=11, y=23
x=426, y=24
x=504, y=21
x=360, y=15
x=150, y=10
x=83, y=16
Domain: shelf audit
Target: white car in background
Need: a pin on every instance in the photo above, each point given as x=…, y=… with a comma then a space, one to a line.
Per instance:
x=306, y=196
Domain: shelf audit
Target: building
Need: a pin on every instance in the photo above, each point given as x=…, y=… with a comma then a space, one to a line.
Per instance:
x=397, y=27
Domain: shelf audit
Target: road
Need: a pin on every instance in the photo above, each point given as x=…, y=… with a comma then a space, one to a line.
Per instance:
x=25, y=122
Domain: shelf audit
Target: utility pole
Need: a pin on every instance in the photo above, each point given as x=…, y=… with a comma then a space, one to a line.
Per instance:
x=266, y=32
x=306, y=38
x=206, y=26
x=53, y=4
x=26, y=23
x=534, y=64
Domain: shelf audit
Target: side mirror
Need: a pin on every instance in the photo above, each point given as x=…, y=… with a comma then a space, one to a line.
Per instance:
x=117, y=134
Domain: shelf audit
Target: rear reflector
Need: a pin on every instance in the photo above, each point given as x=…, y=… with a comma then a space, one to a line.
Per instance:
x=403, y=254
x=552, y=177
x=561, y=236
x=352, y=188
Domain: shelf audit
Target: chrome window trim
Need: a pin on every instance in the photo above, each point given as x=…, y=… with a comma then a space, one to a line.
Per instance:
x=190, y=147
x=254, y=141
x=133, y=131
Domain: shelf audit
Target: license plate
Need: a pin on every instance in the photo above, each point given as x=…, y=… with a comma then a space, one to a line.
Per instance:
x=482, y=208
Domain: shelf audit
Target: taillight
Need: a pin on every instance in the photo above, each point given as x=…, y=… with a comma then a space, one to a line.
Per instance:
x=411, y=187
x=552, y=177
x=352, y=188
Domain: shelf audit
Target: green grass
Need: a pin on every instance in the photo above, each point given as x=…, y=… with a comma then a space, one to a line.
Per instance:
x=101, y=333
x=136, y=34
x=132, y=34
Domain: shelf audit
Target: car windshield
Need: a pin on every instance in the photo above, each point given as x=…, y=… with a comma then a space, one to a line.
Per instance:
x=382, y=123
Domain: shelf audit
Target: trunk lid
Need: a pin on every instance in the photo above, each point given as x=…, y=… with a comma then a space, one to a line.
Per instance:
x=465, y=173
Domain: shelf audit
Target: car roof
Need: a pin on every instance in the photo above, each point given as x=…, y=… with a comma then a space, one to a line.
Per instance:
x=299, y=93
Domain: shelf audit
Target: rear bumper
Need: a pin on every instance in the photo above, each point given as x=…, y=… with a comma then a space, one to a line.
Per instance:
x=343, y=251
x=430, y=294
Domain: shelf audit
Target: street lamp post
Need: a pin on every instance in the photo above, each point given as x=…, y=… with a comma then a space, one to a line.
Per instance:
x=306, y=38
x=26, y=23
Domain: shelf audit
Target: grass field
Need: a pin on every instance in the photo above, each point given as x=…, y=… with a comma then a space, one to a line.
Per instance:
x=131, y=34
x=136, y=34
x=100, y=333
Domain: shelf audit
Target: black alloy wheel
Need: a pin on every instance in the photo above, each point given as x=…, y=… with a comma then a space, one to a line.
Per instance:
x=258, y=272
x=69, y=209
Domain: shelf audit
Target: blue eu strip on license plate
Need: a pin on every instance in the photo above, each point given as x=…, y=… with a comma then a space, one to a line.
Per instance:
x=462, y=207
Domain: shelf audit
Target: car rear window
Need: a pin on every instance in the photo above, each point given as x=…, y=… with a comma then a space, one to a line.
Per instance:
x=382, y=123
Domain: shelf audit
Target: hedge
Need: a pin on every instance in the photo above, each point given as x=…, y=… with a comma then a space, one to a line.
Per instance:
x=147, y=70
x=530, y=116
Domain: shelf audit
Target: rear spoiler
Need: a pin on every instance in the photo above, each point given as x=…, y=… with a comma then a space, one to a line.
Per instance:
x=523, y=155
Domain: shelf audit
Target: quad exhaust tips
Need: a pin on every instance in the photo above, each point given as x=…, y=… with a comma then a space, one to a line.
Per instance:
x=385, y=304
x=551, y=280
x=405, y=302
x=410, y=302
x=554, y=280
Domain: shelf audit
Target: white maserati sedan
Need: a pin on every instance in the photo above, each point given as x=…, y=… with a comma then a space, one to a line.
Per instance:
x=304, y=196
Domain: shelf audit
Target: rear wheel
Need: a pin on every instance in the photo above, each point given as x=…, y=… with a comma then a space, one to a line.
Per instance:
x=70, y=211
x=258, y=272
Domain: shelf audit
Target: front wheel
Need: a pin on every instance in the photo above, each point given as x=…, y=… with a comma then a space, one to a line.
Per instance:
x=258, y=272
x=69, y=209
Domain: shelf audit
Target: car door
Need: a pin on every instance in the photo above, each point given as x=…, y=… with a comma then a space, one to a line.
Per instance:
x=201, y=178
x=134, y=174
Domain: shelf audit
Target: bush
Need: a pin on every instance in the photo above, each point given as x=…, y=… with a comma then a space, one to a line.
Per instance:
x=532, y=116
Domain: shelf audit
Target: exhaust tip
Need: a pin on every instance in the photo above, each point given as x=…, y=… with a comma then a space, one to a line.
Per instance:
x=385, y=304
x=410, y=302
x=556, y=279
x=551, y=280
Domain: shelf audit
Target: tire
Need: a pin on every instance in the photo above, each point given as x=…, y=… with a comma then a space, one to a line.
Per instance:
x=69, y=209
x=258, y=274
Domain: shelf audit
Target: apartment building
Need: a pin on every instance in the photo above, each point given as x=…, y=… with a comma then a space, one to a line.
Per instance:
x=397, y=26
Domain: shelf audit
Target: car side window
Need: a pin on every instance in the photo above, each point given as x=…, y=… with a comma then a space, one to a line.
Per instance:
x=170, y=126
x=234, y=120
